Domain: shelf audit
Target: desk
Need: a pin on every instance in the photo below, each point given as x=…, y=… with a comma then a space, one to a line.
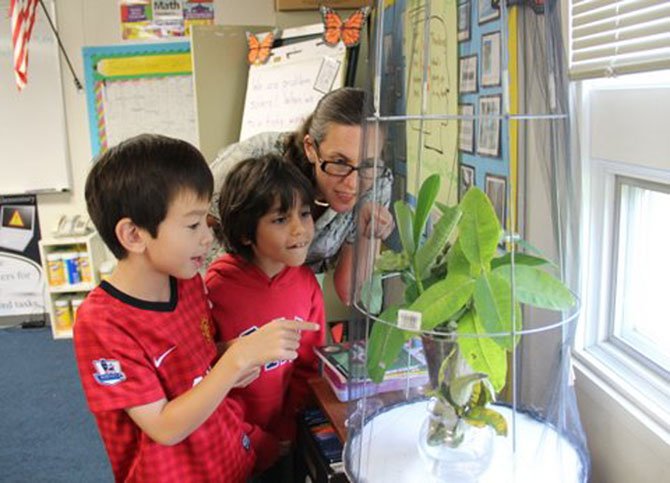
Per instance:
x=334, y=409
x=311, y=457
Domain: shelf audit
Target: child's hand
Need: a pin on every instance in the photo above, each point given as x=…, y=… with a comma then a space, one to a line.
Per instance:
x=248, y=376
x=276, y=341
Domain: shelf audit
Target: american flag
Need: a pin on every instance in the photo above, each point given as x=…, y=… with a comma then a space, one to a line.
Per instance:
x=22, y=13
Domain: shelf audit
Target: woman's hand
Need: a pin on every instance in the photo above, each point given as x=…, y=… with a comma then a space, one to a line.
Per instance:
x=375, y=221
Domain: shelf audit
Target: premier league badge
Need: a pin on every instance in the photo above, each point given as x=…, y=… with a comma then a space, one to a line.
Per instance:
x=108, y=372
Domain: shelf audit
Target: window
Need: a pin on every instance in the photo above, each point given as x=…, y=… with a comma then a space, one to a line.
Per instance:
x=626, y=240
x=641, y=265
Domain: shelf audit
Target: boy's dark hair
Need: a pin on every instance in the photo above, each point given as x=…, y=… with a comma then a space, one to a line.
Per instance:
x=250, y=190
x=138, y=179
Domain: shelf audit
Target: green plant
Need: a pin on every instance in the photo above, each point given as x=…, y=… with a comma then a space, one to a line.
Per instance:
x=460, y=281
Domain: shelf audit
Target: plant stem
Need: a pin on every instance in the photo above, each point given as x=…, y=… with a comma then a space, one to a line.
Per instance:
x=417, y=277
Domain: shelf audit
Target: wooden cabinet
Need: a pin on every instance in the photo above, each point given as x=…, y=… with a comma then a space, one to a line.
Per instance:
x=72, y=266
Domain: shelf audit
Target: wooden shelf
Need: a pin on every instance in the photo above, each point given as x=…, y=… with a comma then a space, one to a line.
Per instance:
x=334, y=409
x=80, y=287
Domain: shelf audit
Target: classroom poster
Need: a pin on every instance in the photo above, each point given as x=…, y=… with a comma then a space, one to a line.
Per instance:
x=153, y=19
x=137, y=88
x=21, y=275
x=432, y=144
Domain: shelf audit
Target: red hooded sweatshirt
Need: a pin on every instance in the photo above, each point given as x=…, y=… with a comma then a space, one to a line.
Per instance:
x=244, y=299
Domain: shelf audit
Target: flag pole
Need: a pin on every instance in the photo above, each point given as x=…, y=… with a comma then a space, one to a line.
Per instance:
x=77, y=83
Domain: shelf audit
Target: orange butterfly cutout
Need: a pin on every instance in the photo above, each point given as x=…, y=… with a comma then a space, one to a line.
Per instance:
x=259, y=50
x=348, y=31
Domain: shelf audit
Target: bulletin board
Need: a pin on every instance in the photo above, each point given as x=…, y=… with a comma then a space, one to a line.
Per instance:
x=134, y=89
x=487, y=37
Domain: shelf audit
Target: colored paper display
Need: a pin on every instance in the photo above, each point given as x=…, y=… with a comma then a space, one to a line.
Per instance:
x=152, y=19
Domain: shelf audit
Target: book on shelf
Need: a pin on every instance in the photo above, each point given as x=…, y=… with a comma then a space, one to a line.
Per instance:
x=409, y=369
x=320, y=450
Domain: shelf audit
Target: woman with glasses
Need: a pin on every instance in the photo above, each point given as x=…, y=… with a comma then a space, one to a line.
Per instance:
x=327, y=149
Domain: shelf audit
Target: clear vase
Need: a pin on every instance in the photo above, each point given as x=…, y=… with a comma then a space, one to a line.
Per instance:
x=453, y=449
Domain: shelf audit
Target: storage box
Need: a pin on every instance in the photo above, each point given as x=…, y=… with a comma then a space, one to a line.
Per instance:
x=314, y=4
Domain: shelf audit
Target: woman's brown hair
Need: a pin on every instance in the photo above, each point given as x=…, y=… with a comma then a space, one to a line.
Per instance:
x=346, y=106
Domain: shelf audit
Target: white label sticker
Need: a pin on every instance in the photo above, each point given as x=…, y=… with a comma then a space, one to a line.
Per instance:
x=327, y=74
x=409, y=320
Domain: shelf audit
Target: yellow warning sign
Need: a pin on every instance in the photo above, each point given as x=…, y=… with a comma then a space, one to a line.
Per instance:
x=16, y=220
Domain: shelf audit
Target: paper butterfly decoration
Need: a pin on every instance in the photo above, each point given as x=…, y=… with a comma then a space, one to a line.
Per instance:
x=348, y=31
x=259, y=50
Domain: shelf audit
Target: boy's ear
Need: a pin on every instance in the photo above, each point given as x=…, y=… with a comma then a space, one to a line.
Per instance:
x=130, y=236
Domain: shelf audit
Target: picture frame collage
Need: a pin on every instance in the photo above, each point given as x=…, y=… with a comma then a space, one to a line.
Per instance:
x=480, y=143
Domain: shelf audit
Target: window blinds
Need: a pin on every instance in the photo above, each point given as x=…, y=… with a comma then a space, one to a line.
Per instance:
x=610, y=37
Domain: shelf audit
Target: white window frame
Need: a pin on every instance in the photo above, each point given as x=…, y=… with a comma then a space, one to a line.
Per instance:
x=641, y=387
x=623, y=336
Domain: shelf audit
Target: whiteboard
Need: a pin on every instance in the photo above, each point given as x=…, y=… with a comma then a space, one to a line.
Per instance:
x=285, y=90
x=33, y=135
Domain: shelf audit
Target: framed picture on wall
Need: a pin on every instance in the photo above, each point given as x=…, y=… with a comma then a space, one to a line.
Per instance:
x=488, y=136
x=496, y=190
x=487, y=10
x=467, y=179
x=467, y=79
x=491, y=59
x=466, y=128
x=464, y=16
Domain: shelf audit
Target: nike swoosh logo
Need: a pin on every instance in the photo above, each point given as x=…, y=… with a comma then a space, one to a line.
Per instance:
x=159, y=360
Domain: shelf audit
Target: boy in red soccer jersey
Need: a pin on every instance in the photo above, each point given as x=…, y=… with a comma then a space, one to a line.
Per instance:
x=144, y=341
x=267, y=226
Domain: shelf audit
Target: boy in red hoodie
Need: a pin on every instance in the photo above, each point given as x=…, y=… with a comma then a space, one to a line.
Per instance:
x=267, y=226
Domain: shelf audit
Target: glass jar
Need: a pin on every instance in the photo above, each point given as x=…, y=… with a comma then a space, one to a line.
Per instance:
x=453, y=449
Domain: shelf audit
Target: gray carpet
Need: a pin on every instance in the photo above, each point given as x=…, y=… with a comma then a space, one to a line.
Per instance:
x=47, y=433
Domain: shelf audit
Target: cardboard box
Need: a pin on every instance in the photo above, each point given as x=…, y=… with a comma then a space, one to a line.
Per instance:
x=314, y=4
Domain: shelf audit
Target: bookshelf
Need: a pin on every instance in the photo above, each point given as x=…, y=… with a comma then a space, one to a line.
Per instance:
x=71, y=264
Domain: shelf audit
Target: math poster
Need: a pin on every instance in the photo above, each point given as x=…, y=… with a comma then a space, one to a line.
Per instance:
x=21, y=275
x=155, y=19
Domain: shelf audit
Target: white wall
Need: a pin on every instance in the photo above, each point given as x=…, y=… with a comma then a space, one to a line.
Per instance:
x=85, y=23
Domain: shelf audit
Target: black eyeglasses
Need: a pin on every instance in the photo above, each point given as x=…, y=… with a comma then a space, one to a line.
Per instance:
x=366, y=170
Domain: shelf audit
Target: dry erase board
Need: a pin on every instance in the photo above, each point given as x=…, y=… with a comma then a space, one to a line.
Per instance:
x=137, y=88
x=284, y=91
x=33, y=136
